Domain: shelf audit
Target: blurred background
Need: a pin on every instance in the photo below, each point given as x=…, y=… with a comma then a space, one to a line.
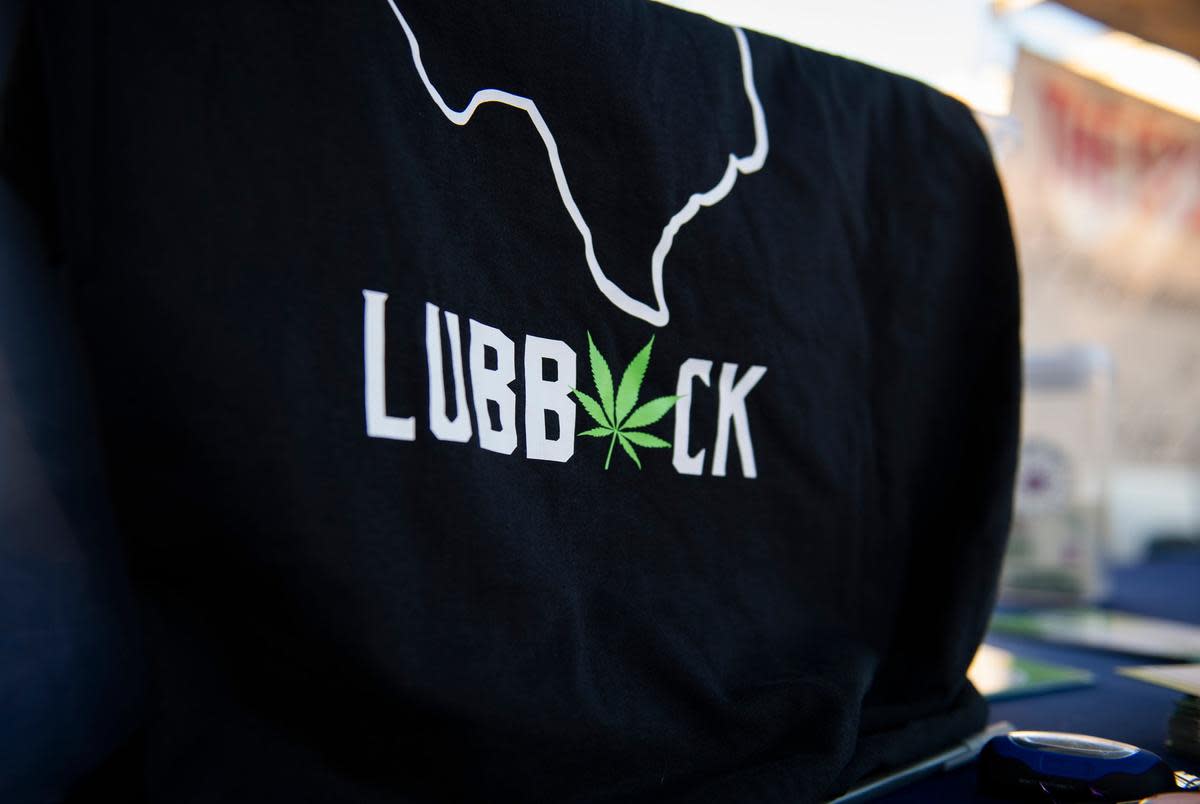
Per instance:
x=1093, y=111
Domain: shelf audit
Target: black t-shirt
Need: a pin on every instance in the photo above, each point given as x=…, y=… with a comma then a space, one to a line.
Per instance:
x=533, y=402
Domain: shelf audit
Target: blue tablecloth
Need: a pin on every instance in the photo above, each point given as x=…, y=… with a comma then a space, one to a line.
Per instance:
x=1115, y=707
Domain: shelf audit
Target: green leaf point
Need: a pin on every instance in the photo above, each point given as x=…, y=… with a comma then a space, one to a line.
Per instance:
x=650, y=412
x=631, y=382
x=645, y=439
x=602, y=377
x=593, y=408
x=629, y=450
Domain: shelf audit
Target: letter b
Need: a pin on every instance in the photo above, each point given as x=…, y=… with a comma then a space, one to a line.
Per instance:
x=493, y=385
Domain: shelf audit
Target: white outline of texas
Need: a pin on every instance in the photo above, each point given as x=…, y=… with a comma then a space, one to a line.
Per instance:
x=657, y=316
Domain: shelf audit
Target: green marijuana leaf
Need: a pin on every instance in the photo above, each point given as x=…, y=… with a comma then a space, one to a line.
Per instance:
x=618, y=419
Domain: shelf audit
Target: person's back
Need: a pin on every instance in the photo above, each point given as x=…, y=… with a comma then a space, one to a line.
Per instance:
x=534, y=402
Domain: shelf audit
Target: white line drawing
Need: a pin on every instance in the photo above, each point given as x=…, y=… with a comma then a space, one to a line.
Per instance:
x=656, y=316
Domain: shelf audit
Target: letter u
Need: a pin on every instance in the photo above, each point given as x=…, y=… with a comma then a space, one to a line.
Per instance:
x=443, y=427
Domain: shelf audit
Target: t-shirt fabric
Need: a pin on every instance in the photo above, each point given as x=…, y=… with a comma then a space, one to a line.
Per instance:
x=533, y=401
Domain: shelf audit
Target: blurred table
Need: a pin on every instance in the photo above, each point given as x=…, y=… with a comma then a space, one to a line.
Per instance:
x=1116, y=707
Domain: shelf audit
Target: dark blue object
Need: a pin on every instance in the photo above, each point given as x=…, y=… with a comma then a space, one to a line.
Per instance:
x=1032, y=764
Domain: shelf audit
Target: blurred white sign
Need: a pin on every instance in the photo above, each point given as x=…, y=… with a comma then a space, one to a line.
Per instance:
x=1118, y=177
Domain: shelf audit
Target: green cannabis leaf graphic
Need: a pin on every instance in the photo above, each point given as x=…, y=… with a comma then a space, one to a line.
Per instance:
x=618, y=420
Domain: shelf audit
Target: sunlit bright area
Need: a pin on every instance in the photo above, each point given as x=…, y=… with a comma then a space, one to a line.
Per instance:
x=968, y=48
x=949, y=44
